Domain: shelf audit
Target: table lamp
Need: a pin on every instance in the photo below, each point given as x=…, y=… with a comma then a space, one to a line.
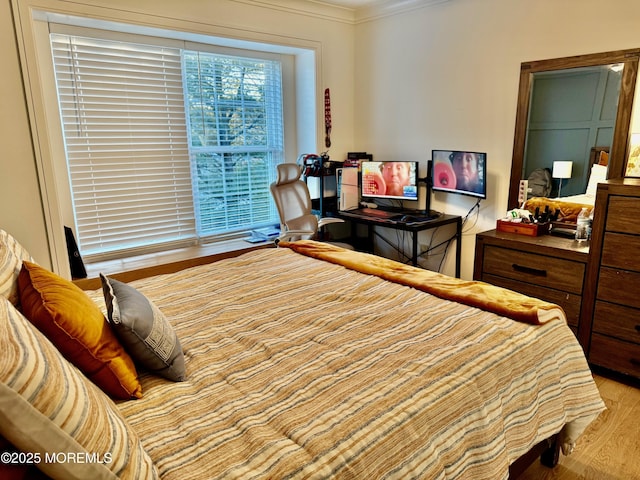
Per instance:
x=561, y=170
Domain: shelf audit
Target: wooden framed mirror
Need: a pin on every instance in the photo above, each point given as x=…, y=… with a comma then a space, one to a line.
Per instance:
x=627, y=60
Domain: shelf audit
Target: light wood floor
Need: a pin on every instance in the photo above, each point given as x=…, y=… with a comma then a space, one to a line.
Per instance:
x=610, y=447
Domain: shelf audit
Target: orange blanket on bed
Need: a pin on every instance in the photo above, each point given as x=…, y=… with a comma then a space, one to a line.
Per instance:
x=476, y=294
x=568, y=210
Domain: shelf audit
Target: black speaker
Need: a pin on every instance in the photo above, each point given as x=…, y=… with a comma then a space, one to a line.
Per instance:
x=75, y=260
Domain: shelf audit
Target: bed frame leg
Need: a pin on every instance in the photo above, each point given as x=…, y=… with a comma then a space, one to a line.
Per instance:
x=548, y=451
x=551, y=456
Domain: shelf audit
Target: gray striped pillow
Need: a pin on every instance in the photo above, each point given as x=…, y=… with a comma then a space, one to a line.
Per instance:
x=52, y=412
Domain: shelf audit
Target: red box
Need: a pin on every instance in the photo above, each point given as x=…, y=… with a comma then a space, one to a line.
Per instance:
x=521, y=228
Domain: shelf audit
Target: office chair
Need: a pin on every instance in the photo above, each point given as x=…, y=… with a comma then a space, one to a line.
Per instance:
x=294, y=206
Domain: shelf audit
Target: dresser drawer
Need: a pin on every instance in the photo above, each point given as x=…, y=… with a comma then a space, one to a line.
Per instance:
x=622, y=214
x=623, y=357
x=537, y=269
x=621, y=251
x=617, y=321
x=569, y=302
x=619, y=286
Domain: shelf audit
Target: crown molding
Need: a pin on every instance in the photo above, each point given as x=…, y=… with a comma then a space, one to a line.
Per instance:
x=309, y=8
x=386, y=8
x=328, y=11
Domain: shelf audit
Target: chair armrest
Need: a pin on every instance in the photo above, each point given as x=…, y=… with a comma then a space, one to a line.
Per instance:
x=291, y=235
x=327, y=220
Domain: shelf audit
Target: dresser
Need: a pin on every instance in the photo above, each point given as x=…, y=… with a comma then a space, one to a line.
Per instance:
x=546, y=267
x=613, y=280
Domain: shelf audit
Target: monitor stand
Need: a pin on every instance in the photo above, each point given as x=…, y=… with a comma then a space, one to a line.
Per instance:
x=427, y=213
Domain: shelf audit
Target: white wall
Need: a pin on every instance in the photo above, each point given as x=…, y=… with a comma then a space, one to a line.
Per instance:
x=20, y=206
x=446, y=76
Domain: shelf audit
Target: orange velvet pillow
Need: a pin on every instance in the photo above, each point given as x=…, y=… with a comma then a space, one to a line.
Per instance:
x=603, y=159
x=77, y=327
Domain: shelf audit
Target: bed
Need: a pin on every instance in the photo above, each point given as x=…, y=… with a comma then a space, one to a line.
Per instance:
x=311, y=361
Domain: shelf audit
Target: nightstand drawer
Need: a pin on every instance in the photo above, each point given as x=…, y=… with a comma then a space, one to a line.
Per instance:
x=623, y=357
x=532, y=268
x=569, y=302
x=619, y=286
x=617, y=321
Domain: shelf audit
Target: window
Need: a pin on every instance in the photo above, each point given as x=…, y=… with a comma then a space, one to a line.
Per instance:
x=235, y=126
x=166, y=145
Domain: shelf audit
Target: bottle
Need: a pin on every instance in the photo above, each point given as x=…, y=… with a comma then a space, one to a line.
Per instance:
x=582, y=226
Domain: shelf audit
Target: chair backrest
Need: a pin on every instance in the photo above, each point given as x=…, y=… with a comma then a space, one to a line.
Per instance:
x=292, y=199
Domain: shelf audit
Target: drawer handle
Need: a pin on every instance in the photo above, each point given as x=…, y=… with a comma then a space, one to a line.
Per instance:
x=635, y=361
x=638, y=328
x=529, y=270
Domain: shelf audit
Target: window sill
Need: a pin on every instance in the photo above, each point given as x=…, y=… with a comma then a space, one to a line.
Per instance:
x=141, y=266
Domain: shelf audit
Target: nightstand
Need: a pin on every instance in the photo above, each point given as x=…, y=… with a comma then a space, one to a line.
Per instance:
x=547, y=267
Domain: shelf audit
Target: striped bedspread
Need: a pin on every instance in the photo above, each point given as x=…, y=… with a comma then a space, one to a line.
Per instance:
x=299, y=368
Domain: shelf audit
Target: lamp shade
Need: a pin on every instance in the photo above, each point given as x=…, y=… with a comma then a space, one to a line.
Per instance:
x=562, y=169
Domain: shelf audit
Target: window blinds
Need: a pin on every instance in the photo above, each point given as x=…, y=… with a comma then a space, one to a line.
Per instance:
x=234, y=109
x=166, y=145
x=122, y=111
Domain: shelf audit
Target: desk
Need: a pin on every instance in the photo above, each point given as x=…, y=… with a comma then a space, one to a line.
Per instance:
x=412, y=227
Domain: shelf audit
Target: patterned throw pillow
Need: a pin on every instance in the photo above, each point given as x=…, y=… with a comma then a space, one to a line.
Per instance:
x=66, y=425
x=11, y=256
x=143, y=330
x=74, y=324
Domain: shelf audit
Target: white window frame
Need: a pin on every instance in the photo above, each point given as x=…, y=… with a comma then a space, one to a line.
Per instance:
x=31, y=20
x=274, y=145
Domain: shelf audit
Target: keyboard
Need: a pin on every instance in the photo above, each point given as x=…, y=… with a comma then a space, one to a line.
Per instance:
x=376, y=212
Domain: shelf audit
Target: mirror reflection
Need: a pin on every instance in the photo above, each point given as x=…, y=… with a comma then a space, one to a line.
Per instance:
x=572, y=117
x=575, y=109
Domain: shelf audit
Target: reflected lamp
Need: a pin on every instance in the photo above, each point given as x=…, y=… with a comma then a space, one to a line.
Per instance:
x=561, y=170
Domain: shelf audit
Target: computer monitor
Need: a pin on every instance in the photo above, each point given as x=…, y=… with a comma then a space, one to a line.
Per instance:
x=389, y=180
x=456, y=171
